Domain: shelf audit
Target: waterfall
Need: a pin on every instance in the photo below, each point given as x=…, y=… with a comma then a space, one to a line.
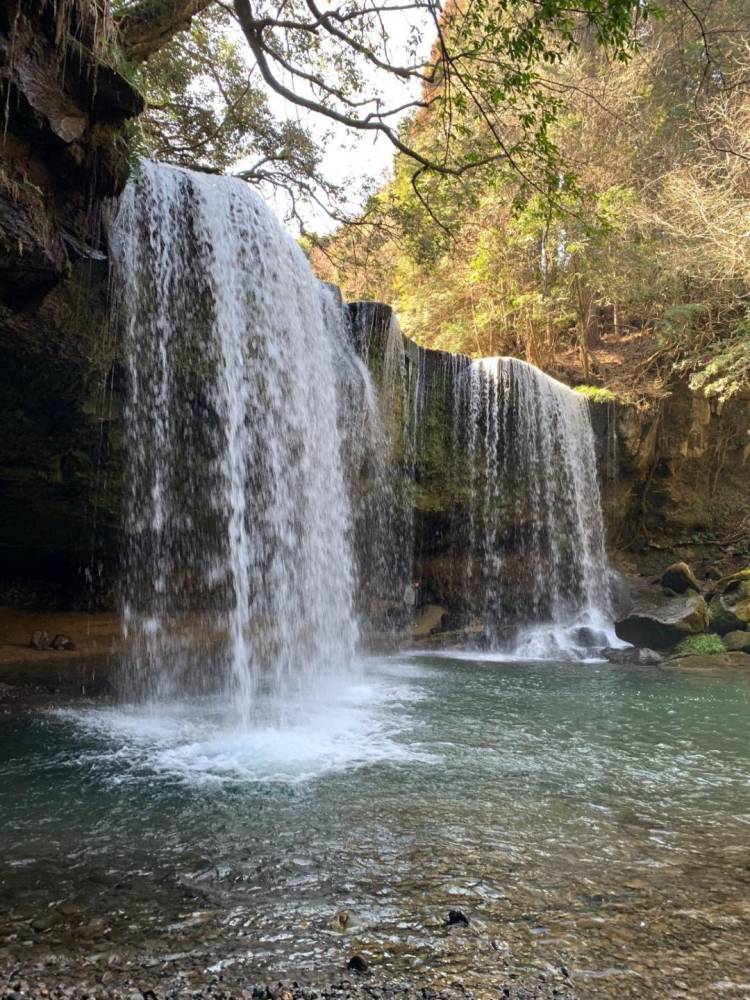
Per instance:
x=533, y=528
x=244, y=389
x=278, y=444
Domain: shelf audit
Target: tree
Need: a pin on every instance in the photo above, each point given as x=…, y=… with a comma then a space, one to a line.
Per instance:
x=205, y=110
x=646, y=244
x=336, y=62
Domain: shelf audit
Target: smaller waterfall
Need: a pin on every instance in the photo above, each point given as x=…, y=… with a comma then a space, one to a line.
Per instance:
x=533, y=530
x=383, y=462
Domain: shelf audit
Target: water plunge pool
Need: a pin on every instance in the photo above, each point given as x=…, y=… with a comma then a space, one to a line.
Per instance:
x=579, y=814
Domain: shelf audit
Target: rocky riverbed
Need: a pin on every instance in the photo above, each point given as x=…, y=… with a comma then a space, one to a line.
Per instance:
x=149, y=984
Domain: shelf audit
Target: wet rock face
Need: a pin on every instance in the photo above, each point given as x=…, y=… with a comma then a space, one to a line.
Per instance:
x=675, y=476
x=62, y=152
x=62, y=147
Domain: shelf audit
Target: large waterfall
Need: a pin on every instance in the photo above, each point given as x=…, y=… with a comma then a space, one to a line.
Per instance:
x=243, y=390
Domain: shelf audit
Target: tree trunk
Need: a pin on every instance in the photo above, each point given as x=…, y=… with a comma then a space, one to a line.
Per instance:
x=583, y=310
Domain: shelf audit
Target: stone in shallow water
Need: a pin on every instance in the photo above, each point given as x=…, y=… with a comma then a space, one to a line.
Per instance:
x=340, y=921
x=641, y=657
x=63, y=642
x=40, y=639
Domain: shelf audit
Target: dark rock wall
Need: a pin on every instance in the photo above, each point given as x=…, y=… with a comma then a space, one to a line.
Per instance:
x=64, y=152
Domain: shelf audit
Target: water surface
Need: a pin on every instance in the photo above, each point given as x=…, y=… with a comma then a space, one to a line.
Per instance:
x=585, y=814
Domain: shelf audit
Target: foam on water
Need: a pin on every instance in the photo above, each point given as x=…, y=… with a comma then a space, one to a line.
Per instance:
x=193, y=741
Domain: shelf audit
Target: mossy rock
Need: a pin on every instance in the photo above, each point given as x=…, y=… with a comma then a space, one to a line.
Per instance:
x=737, y=642
x=596, y=393
x=729, y=610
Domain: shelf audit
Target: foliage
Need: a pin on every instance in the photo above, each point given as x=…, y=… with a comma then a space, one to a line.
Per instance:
x=629, y=261
x=480, y=93
x=701, y=645
x=204, y=110
x=596, y=393
x=572, y=173
x=727, y=369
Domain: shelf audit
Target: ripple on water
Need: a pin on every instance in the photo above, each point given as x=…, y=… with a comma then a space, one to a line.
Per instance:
x=580, y=812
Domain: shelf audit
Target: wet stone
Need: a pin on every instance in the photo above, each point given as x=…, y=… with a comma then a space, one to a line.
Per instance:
x=357, y=963
x=40, y=639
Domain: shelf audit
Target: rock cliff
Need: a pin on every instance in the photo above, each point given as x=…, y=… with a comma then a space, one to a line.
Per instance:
x=64, y=152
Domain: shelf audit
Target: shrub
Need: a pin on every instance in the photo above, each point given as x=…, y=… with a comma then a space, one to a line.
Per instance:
x=703, y=645
x=596, y=393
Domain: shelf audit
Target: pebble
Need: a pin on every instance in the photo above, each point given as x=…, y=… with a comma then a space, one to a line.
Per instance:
x=357, y=963
x=193, y=986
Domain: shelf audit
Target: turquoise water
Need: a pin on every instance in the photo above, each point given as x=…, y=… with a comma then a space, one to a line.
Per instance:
x=585, y=814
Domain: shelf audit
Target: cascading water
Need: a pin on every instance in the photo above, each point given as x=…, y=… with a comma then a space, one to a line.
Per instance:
x=273, y=447
x=534, y=532
x=238, y=520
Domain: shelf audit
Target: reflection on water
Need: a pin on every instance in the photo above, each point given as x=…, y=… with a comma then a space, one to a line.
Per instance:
x=580, y=813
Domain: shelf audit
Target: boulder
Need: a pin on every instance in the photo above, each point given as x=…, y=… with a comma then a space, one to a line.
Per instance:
x=737, y=642
x=659, y=622
x=679, y=578
x=633, y=655
x=730, y=606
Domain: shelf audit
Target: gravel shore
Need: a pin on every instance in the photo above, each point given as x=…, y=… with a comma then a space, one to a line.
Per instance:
x=147, y=986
